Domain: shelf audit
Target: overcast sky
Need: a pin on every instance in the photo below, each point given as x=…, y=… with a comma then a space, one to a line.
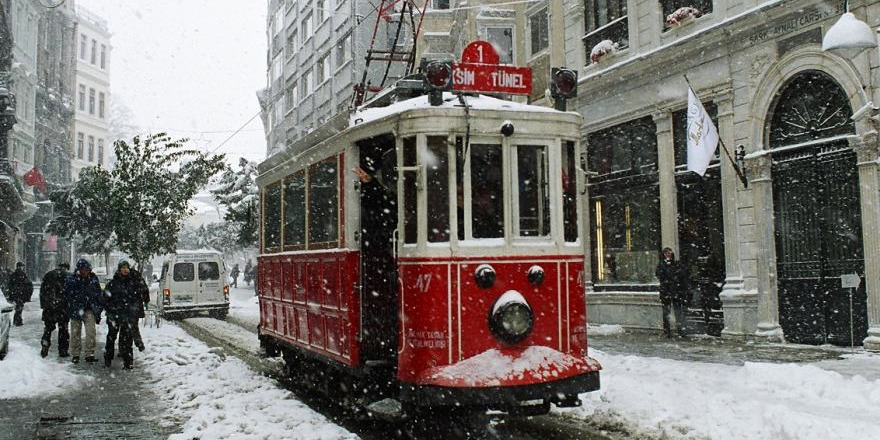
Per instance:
x=191, y=68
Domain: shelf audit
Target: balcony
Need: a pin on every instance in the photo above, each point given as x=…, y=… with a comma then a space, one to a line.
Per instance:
x=617, y=31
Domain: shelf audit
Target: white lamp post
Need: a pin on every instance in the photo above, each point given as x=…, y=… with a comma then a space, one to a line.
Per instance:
x=848, y=38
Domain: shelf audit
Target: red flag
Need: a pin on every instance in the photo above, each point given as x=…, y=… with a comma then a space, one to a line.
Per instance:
x=35, y=178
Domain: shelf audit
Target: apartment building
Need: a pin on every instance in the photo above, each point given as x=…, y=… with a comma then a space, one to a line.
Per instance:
x=92, y=121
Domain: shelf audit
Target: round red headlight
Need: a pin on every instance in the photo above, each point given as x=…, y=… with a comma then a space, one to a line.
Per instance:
x=438, y=74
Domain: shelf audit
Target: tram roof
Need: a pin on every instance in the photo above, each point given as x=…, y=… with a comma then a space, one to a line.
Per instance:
x=450, y=100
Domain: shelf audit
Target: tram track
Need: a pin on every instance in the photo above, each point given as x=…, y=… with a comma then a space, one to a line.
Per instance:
x=553, y=426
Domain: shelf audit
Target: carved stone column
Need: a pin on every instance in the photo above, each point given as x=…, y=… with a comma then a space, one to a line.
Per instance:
x=768, y=327
x=867, y=152
x=668, y=193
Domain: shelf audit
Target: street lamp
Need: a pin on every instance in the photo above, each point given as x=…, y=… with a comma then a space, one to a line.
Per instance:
x=848, y=38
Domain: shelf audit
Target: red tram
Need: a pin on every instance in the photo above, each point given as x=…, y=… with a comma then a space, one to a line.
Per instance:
x=448, y=272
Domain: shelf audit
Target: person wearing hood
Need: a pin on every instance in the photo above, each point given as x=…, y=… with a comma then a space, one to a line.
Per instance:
x=672, y=290
x=123, y=297
x=54, y=306
x=83, y=293
x=20, y=290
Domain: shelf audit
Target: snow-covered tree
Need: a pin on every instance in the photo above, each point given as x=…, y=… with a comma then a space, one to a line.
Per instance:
x=237, y=191
x=146, y=195
x=83, y=211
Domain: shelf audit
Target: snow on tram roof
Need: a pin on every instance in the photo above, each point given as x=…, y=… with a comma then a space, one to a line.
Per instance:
x=450, y=100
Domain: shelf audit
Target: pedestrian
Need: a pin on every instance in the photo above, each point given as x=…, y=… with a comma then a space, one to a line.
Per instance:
x=672, y=291
x=124, y=302
x=83, y=292
x=248, y=273
x=55, y=310
x=20, y=290
x=234, y=274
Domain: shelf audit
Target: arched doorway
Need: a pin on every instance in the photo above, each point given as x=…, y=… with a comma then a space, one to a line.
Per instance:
x=817, y=212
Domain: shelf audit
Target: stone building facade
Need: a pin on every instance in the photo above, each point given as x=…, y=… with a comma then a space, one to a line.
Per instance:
x=92, y=119
x=771, y=253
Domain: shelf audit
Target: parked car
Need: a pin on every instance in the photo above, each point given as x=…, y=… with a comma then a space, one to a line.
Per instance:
x=6, y=310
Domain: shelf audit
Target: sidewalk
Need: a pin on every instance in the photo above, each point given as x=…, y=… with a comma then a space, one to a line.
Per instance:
x=52, y=398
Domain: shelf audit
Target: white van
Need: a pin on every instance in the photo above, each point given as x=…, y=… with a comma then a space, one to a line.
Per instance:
x=193, y=282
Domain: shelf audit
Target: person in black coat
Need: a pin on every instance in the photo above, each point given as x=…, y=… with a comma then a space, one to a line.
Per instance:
x=672, y=291
x=124, y=304
x=55, y=310
x=20, y=290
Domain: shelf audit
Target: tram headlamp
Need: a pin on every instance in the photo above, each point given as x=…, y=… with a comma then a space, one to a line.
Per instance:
x=563, y=86
x=536, y=275
x=484, y=276
x=511, y=319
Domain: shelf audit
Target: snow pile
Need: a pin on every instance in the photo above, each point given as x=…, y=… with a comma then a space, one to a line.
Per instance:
x=605, y=329
x=218, y=397
x=27, y=375
x=601, y=49
x=244, y=307
x=694, y=400
x=450, y=100
x=495, y=367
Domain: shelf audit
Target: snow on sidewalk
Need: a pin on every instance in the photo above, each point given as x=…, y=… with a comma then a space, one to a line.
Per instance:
x=696, y=400
x=25, y=374
x=214, y=396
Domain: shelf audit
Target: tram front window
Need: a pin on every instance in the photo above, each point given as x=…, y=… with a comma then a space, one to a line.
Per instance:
x=487, y=191
x=534, y=193
x=437, y=165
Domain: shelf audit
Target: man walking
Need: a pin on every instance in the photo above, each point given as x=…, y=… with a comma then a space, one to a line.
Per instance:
x=83, y=293
x=671, y=276
x=124, y=298
x=20, y=289
x=234, y=274
x=55, y=313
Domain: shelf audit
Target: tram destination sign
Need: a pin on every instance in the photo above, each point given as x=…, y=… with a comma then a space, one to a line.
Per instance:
x=480, y=71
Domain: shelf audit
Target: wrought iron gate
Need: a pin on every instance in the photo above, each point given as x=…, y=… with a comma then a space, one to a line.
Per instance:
x=818, y=239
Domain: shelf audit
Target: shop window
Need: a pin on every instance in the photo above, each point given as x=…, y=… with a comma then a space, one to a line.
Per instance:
x=272, y=217
x=295, y=210
x=625, y=202
x=436, y=162
x=324, y=203
x=487, y=191
x=534, y=191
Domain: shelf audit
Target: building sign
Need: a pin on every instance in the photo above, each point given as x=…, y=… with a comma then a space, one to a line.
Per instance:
x=806, y=17
x=479, y=71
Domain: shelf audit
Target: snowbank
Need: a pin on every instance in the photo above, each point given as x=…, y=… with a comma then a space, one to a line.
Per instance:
x=217, y=397
x=495, y=367
x=693, y=400
x=25, y=374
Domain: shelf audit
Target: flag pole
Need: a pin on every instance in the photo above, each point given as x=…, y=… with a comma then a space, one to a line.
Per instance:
x=739, y=172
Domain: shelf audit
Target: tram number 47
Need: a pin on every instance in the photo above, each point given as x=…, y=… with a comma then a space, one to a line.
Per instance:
x=423, y=282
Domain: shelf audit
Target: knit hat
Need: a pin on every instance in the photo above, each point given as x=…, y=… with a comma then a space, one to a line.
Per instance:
x=83, y=264
x=65, y=266
x=123, y=263
x=19, y=264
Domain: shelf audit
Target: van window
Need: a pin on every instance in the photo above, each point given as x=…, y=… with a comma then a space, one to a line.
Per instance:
x=184, y=272
x=209, y=271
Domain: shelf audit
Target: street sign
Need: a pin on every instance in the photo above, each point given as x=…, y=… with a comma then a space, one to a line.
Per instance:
x=479, y=71
x=850, y=281
x=492, y=78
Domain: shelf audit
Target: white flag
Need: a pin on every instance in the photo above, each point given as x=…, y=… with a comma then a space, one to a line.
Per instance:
x=702, y=136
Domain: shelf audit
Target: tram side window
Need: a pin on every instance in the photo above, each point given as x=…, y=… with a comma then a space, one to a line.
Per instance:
x=323, y=202
x=534, y=191
x=569, y=192
x=272, y=220
x=295, y=210
x=437, y=165
x=487, y=191
x=410, y=217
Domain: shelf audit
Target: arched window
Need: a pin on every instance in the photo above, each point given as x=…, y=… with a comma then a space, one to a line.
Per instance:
x=811, y=106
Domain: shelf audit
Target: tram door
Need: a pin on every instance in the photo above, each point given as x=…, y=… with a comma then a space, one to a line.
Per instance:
x=378, y=207
x=818, y=239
